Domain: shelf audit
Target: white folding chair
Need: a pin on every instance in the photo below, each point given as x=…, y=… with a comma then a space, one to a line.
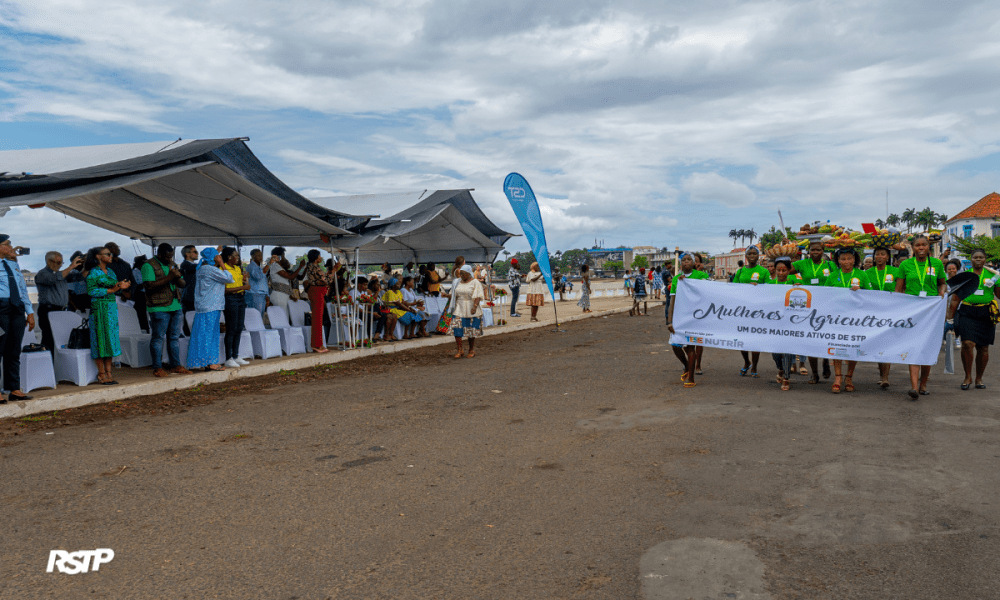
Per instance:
x=266, y=342
x=135, y=343
x=75, y=366
x=292, y=341
x=37, y=369
x=297, y=310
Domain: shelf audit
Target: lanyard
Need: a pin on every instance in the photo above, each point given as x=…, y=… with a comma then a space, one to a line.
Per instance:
x=921, y=271
x=881, y=278
x=841, y=273
x=816, y=268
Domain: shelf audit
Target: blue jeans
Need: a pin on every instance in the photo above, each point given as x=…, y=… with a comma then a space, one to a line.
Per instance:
x=514, y=293
x=169, y=324
x=235, y=312
x=258, y=301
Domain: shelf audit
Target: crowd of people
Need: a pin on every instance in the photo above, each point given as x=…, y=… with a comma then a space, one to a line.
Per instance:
x=973, y=318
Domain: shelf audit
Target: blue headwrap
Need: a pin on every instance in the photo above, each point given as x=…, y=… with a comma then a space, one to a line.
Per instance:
x=393, y=281
x=208, y=256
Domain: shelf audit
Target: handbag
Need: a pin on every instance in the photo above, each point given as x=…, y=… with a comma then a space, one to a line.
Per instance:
x=994, y=312
x=79, y=337
x=35, y=348
x=444, y=323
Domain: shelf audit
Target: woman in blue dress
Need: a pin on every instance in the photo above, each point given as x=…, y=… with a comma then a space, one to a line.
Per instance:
x=102, y=284
x=209, y=301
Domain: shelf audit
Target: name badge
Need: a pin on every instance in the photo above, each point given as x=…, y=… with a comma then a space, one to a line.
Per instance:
x=826, y=272
x=814, y=281
x=979, y=293
x=888, y=278
x=755, y=277
x=923, y=293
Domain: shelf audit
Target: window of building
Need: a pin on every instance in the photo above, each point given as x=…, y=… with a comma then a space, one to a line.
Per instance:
x=967, y=231
x=995, y=229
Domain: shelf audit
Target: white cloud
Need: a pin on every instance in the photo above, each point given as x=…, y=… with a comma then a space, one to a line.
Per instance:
x=712, y=187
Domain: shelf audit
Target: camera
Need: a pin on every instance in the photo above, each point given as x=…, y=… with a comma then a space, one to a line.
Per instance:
x=23, y=251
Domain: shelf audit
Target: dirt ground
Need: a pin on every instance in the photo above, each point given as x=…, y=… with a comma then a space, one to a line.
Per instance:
x=546, y=467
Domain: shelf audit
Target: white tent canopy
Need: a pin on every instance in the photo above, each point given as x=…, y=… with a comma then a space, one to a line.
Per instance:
x=437, y=235
x=202, y=192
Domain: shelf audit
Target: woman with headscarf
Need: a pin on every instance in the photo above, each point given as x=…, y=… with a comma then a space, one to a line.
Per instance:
x=414, y=307
x=468, y=311
x=209, y=302
x=847, y=276
x=973, y=323
x=584, y=301
x=102, y=285
x=784, y=362
x=922, y=276
x=754, y=274
x=690, y=356
x=392, y=299
x=318, y=280
x=882, y=278
x=536, y=289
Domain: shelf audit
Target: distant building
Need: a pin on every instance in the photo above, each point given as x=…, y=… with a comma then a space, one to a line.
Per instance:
x=727, y=264
x=599, y=256
x=979, y=219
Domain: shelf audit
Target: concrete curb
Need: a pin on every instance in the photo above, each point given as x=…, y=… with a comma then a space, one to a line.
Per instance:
x=95, y=394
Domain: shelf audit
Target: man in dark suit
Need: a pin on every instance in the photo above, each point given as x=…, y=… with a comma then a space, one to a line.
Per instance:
x=14, y=304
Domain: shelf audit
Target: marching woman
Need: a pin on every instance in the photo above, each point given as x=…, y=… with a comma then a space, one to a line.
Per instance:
x=814, y=270
x=753, y=274
x=882, y=277
x=847, y=276
x=973, y=323
x=690, y=356
x=922, y=276
x=784, y=362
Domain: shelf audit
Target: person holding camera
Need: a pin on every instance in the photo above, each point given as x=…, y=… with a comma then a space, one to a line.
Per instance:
x=162, y=278
x=53, y=292
x=14, y=305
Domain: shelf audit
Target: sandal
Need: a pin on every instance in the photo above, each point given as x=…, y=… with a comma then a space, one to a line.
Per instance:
x=321, y=350
x=913, y=395
x=813, y=381
x=754, y=375
x=699, y=372
x=459, y=355
x=786, y=385
x=684, y=376
x=884, y=385
x=966, y=386
x=835, y=388
x=743, y=371
x=803, y=371
x=215, y=368
x=471, y=354
x=848, y=384
x=689, y=384
x=980, y=386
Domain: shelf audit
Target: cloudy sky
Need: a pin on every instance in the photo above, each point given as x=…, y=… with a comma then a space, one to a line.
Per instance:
x=639, y=122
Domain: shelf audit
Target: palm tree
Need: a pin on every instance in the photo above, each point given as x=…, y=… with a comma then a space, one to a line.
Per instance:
x=751, y=235
x=892, y=220
x=734, y=234
x=909, y=217
x=743, y=235
x=505, y=254
x=880, y=223
x=942, y=219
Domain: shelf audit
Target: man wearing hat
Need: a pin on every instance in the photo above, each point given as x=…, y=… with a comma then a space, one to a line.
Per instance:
x=14, y=304
x=514, y=278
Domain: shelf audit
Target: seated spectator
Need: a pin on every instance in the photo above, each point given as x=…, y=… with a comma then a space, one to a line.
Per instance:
x=380, y=314
x=422, y=279
x=414, y=307
x=392, y=299
x=53, y=292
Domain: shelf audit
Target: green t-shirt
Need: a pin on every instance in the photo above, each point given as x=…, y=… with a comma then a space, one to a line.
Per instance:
x=922, y=276
x=983, y=295
x=884, y=280
x=845, y=280
x=756, y=274
x=693, y=275
x=149, y=275
x=813, y=274
x=792, y=280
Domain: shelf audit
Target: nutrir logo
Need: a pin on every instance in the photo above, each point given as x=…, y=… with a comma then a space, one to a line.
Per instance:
x=72, y=563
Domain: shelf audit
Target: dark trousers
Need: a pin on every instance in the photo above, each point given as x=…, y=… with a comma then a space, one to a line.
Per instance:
x=42, y=315
x=12, y=322
x=514, y=293
x=235, y=312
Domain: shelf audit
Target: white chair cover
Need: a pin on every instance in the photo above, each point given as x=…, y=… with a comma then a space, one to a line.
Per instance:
x=75, y=366
x=297, y=310
x=37, y=369
x=292, y=341
x=135, y=343
x=266, y=342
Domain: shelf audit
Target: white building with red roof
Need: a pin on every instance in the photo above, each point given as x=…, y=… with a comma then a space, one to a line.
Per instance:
x=982, y=218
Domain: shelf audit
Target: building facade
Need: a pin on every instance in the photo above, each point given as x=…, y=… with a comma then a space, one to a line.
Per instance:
x=982, y=218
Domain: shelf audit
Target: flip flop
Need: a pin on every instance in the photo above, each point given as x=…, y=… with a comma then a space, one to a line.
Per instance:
x=690, y=384
x=755, y=375
x=743, y=371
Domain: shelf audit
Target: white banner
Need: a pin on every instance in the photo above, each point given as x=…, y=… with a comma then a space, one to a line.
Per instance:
x=824, y=322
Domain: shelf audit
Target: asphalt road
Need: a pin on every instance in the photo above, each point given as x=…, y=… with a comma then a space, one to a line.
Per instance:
x=569, y=465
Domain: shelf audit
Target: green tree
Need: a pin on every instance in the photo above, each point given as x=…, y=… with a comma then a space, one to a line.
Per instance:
x=640, y=262
x=880, y=223
x=893, y=220
x=965, y=246
x=614, y=265
x=772, y=237
x=909, y=218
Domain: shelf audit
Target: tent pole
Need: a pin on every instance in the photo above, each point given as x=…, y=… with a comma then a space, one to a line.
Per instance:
x=356, y=253
x=555, y=308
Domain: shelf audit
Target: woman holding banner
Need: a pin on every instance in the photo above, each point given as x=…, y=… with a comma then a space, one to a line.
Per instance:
x=973, y=323
x=753, y=274
x=814, y=270
x=690, y=356
x=922, y=276
x=847, y=276
x=882, y=278
x=784, y=362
